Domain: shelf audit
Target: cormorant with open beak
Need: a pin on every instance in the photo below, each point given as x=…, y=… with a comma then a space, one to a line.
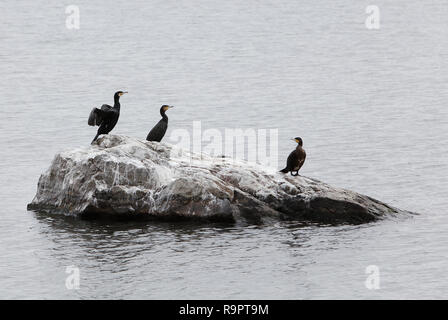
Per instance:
x=106, y=117
x=159, y=130
x=296, y=159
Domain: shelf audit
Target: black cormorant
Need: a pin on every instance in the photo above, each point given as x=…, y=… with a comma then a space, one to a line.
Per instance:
x=106, y=117
x=295, y=159
x=157, y=133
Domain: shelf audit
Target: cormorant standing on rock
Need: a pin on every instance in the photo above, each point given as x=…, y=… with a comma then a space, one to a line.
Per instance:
x=295, y=159
x=106, y=117
x=157, y=133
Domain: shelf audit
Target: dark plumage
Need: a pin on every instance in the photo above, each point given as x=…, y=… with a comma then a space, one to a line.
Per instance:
x=296, y=159
x=106, y=117
x=159, y=130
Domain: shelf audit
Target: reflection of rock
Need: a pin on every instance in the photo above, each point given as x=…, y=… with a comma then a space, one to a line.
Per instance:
x=128, y=177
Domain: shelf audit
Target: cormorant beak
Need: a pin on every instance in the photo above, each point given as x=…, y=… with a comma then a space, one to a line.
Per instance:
x=123, y=93
x=169, y=107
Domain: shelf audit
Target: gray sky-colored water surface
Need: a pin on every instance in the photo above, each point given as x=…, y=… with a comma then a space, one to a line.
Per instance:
x=370, y=105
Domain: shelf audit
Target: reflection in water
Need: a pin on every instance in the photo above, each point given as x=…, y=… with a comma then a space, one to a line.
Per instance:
x=121, y=243
x=186, y=260
x=144, y=251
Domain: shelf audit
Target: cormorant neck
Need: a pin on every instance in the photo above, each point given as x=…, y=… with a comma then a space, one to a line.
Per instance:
x=164, y=116
x=117, y=101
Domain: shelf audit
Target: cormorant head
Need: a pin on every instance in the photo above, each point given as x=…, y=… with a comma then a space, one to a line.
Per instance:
x=119, y=94
x=298, y=140
x=165, y=108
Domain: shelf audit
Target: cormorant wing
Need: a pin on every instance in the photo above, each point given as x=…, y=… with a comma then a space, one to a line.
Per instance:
x=97, y=116
x=301, y=156
x=106, y=107
x=157, y=133
x=292, y=160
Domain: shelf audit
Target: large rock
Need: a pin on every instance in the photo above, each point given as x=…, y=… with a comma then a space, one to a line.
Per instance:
x=122, y=176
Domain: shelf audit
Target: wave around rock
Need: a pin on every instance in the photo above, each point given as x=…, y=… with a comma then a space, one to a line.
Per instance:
x=126, y=177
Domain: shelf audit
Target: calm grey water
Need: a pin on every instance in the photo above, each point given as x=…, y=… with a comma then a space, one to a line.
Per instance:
x=371, y=106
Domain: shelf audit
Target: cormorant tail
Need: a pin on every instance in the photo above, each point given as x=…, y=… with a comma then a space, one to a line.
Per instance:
x=284, y=170
x=94, y=139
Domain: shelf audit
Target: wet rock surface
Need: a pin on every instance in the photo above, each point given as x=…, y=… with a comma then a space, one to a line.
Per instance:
x=121, y=176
